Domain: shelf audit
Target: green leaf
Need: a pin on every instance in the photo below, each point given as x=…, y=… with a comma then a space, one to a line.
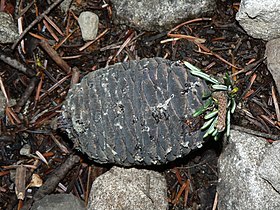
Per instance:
x=228, y=123
x=215, y=132
x=197, y=72
x=220, y=87
x=217, y=137
x=191, y=67
x=233, y=106
x=203, y=108
x=211, y=114
x=207, y=124
x=211, y=129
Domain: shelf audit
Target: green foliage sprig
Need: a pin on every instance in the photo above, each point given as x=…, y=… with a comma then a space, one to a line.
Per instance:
x=219, y=104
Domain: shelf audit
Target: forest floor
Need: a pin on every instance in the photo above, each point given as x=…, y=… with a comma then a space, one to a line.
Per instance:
x=30, y=124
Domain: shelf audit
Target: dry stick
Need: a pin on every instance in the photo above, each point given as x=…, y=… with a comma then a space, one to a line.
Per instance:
x=187, y=37
x=38, y=19
x=15, y=64
x=209, y=52
x=39, y=88
x=188, y=22
x=54, y=87
x=198, y=41
x=256, y=133
x=124, y=44
x=184, y=186
x=12, y=116
x=249, y=67
x=2, y=88
x=276, y=105
x=187, y=189
x=60, y=145
x=91, y=42
x=53, y=25
x=88, y=185
x=54, y=55
x=51, y=31
x=58, y=45
x=52, y=182
x=190, y=38
x=178, y=176
x=215, y=203
x=27, y=93
x=75, y=76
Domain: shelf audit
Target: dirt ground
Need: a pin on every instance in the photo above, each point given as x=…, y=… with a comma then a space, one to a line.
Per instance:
x=36, y=97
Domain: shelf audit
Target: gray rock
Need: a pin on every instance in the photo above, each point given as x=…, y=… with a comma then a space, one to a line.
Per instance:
x=158, y=15
x=134, y=113
x=272, y=52
x=270, y=166
x=260, y=18
x=240, y=187
x=59, y=202
x=130, y=189
x=88, y=22
x=8, y=29
x=65, y=5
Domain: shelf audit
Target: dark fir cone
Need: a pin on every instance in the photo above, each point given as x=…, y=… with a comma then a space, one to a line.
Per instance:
x=135, y=113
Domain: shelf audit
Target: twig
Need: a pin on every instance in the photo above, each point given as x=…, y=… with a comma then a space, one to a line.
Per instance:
x=38, y=19
x=256, y=133
x=88, y=185
x=75, y=76
x=54, y=55
x=209, y=52
x=215, y=203
x=54, y=86
x=50, y=30
x=249, y=67
x=188, y=22
x=190, y=38
x=15, y=64
x=276, y=105
x=2, y=88
x=125, y=43
x=58, y=45
x=12, y=116
x=53, y=25
x=27, y=93
x=52, y=182
x=184, y=187
x=187, y=189
x=59, y=144
x=91, y=42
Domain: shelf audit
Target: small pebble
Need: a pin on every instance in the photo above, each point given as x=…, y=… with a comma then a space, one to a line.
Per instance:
x=88, y=22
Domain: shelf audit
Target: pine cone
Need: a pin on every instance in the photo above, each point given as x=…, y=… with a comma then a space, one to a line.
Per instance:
x=135, y=113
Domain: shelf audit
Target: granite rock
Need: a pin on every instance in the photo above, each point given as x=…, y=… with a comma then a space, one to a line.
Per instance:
x=240, y=186
x=260, y=18
x=159, y=15
x=272, y=53
x=270, y=166
x=128, y=188
x=8, y=29
x=59, y=202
